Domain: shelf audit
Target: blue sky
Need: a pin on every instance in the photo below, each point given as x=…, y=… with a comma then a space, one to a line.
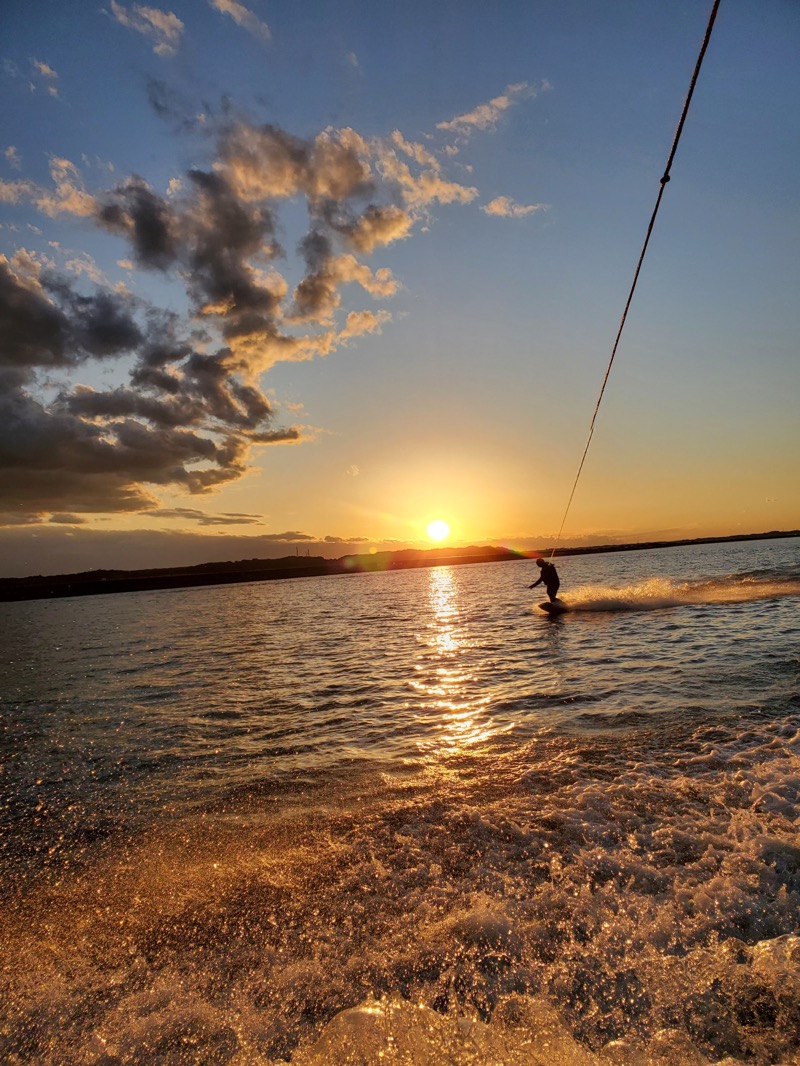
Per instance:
x=513, y=154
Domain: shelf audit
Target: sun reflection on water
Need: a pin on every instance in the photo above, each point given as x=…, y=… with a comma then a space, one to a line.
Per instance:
x=448, y=678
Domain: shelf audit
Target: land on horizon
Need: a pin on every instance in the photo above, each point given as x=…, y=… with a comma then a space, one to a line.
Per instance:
x=101, y=582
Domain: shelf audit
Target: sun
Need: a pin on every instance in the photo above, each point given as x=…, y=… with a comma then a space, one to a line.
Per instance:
x=438, y=529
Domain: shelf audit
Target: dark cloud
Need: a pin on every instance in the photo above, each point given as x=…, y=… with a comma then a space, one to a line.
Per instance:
x=222, y=236
x=276, y=436
x=203, y=518
x=67, y=519
x=45, y=323
x=37, y=491
x=44, y=443
x=53, y=549
x=34, y=331
x=134, y=211
x=174, y=108
x=118, y=403
x=292, y=537
x=102, y=324
x=23, y=518
x=186, y=420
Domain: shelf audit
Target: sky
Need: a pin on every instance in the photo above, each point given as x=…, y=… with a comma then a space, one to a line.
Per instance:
x=283, y=278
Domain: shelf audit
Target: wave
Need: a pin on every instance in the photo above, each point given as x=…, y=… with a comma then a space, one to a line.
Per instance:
x=658, y=593
x=574, y=903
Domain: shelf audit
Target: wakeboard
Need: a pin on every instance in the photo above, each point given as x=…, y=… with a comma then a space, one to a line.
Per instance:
x=553, y=607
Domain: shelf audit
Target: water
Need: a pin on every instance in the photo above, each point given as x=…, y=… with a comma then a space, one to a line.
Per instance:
x=406, y=817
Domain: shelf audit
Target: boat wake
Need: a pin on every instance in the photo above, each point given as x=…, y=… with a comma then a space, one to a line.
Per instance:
x=659, y=593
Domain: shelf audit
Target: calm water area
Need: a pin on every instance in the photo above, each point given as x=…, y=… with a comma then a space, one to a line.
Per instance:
x=407, y=817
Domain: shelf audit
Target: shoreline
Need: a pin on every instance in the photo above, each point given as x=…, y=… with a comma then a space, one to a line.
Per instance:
x=105, y=582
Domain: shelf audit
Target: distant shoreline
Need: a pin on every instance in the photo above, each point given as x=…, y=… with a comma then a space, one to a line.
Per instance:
x=104, y=582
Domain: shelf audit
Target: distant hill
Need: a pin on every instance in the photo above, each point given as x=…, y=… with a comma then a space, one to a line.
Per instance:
x=100, y=582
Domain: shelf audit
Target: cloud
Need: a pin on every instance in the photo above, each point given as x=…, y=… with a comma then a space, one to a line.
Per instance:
x=44, y=69
x=11, y=518
x=186, y=419
x=12, y=157
x=218, y=228
x=45, y=324
x=43, y=76
x=505, y=207
x=292, y=537
x=266, y=161
x=378, y=225
x=53, y=549
x=191, y=409
x=163, y=27
x=317, y=296
x=416, y=151
x=486, y=116
x=83, y=264
x=425, y=187
x=68, y=195
x=203, y=518
x=243, y=17
x=63, y=519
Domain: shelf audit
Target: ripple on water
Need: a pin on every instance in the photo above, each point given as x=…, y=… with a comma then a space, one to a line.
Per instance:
x=423, y=804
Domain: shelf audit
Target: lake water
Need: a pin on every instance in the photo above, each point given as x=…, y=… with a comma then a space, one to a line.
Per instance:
x=408, y=818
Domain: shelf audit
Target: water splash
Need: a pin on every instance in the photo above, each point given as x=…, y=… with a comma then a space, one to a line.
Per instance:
x=658, y=593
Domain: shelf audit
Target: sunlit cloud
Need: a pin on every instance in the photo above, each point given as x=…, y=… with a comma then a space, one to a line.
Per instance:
x=81, y=263
x=12, y=157
x=317, y=296
x=425, y=187
x=68, y=195
x=485, y=116
x=44, y=69
x=164, y=27
x=505, y=207
x=43, y=76
x=418, y=152
x=243, y=17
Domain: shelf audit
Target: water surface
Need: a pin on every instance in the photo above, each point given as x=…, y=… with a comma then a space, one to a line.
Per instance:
x=238, y=820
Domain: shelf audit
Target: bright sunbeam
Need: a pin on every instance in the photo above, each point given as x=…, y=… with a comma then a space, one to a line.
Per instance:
x=438, y=529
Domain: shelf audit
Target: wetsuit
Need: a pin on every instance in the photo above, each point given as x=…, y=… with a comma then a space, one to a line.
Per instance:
x=549, y=577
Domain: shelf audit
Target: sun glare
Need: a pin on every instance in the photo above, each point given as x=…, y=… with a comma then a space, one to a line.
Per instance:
x=438, y=529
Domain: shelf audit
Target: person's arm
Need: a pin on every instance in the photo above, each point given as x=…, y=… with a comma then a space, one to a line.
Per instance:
x=533, y=586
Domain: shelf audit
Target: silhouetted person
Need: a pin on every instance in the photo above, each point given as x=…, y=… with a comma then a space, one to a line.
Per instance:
x=548, y=577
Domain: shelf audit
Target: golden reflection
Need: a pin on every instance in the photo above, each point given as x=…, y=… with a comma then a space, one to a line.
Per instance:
x=447, y=675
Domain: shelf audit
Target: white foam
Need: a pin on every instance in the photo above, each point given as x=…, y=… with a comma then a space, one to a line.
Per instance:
x=658, y=593
x=650, y=897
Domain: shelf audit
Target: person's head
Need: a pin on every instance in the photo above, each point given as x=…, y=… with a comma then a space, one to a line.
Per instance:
x=540, y=562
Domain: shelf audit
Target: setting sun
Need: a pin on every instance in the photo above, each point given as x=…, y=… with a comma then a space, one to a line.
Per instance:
x=438, y=529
